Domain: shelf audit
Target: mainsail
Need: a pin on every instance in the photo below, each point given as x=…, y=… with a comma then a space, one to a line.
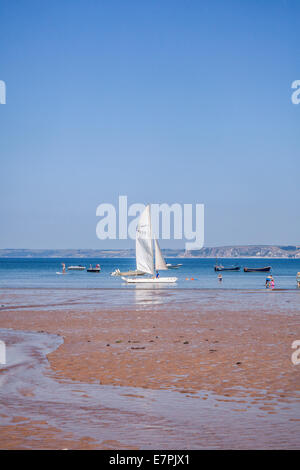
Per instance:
x=144, y=246
x=160, y=263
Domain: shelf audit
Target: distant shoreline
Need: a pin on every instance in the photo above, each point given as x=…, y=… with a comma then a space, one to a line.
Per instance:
x=222, y=252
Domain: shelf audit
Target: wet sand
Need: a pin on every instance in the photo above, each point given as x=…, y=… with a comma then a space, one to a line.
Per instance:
x=227, y=355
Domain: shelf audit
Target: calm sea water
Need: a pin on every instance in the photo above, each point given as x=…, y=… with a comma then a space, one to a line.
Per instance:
x=41, y=272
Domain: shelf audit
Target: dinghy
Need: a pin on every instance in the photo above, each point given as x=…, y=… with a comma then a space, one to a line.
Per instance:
x=95, y=269
x=76, y=268
x=227, y=268
x=117, y=272
x=144, y=253
x=173, y=266
x=266, y=269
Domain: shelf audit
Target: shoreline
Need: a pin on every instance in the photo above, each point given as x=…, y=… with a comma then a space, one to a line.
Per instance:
x=127, y=418
x=151, y=320
x=212, y=346
x=139, y=418
x=133, y=257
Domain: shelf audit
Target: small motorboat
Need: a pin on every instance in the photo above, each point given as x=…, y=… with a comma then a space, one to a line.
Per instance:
x=173, y=266
x=76, y=268
x=135, y=272
x=96, y=269
x=227, y=268
x=266, y=269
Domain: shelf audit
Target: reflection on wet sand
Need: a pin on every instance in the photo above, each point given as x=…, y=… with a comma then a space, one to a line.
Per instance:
x=156, y=295
x=80, y=415
x=149, y=368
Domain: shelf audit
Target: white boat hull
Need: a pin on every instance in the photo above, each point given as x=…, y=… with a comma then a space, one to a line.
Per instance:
x=117, y=272
x=76, y=268
x=173, y=266
x=159, y=280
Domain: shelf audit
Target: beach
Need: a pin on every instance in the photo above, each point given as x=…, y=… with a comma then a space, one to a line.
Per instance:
x=149, y=242
x=187, y=361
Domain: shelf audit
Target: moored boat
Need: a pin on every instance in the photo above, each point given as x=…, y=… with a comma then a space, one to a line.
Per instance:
x=76, y=268
x=227, y=268
x=96, y=269
x=173, y=266
x=135, y=272
x=266, y=269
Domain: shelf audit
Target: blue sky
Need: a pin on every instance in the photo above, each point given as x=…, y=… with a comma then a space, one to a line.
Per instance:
x=163, y=101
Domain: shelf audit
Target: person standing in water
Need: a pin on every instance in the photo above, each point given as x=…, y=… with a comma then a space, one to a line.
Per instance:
x=220, y=278
x=157, y=275
x=270, y=282
x=63, y=268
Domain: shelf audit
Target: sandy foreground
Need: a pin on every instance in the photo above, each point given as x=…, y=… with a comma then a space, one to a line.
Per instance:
x=240, y=351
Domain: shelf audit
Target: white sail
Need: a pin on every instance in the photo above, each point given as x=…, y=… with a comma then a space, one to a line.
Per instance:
x=159, y=259
x=144, y=246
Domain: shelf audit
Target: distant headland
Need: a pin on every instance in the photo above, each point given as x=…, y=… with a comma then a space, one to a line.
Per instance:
x=236, y=251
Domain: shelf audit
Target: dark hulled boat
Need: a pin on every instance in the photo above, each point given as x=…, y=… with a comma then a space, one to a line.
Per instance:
x=227, y=268
x=266, y=269
x=95, y=269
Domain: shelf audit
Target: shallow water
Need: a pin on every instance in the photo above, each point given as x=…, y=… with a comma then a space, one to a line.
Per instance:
x=136, y=417
x=285, y=301
x=41, y=272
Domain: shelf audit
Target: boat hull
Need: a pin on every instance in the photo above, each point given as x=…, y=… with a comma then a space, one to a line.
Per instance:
x=222, y=268
x=76, y=268
x=159, y=280
x=127, y=273
x=266, y=269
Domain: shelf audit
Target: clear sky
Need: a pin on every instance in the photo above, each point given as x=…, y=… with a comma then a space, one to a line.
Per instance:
x=163, y=101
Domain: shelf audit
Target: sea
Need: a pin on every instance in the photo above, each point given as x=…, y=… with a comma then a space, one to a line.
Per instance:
x=195, y=273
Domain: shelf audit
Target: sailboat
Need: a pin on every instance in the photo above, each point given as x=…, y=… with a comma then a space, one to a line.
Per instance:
x=144, y=253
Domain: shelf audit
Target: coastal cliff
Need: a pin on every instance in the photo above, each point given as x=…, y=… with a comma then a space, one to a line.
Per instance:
x=242, y=251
